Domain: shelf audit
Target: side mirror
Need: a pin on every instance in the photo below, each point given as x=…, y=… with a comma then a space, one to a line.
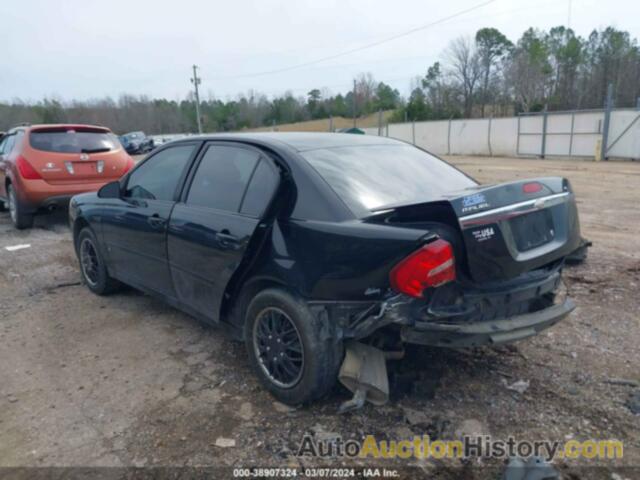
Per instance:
x=110, y=190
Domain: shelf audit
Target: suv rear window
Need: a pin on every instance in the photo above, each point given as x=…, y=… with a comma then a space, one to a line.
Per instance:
x=73, y=141
x=372, y=176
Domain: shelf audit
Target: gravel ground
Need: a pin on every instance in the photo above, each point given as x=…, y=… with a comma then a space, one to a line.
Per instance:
x=125, y=380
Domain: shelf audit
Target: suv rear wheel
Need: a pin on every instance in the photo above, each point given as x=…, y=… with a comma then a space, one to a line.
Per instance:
x=19, y=217
x=286, y=349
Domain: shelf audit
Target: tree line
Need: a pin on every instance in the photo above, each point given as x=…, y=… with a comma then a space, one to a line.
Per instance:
x=483, y=75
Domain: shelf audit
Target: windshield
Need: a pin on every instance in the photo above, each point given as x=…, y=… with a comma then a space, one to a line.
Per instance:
x=368, y=177
x=73, y=141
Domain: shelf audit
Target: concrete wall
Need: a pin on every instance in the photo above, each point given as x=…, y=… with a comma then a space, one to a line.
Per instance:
x=567, y=134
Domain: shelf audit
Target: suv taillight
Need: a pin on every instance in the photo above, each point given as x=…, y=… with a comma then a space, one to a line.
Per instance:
x=431, y=266
x=26, y=169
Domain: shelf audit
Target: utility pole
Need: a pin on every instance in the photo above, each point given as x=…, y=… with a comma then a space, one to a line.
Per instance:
x=354, y=103
x=196, y=81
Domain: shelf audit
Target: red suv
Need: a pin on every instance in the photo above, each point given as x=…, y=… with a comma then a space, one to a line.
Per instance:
x=43, y=166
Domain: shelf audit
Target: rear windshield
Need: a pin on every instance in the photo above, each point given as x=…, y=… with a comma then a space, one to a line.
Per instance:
x=73, y=141
x=372, y=176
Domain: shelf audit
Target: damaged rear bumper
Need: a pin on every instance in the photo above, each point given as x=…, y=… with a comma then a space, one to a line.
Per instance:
x=488, y=332
x=458, y=316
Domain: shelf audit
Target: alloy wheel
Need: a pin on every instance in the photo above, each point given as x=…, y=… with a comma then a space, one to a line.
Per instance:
x=89, y=261
x=278, y=347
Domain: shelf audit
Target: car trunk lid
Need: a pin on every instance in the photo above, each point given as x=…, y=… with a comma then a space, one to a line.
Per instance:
x=509, y=228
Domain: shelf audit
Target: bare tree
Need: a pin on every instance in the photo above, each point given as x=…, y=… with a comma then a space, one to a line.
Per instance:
x=465, y=68
x=365, y=91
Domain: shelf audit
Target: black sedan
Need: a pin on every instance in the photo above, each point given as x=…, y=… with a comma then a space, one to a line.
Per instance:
x=298, y=243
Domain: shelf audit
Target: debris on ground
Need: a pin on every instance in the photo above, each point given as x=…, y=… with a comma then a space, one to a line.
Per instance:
x=225, y=442
x=13, y=248
x=321, y=434
x=520, y=386
x=414, y=417
x=633, y=403
x=623, y=382
x=535, y=468
x=282, y=408
x=471, y=427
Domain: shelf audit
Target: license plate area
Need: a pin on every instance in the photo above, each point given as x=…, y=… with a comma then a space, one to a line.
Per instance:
x=85, y=168
x=532, y=230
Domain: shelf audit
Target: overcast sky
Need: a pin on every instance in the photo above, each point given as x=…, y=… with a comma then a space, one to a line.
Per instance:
x=80, y=49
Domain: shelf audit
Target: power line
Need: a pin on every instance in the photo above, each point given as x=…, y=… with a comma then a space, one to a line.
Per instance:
x=366, y=46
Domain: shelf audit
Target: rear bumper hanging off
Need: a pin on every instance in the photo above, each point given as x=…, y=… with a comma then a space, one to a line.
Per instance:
x=488, y=332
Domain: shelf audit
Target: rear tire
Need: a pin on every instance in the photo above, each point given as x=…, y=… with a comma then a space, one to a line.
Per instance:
x=286, y=348
x=92, y=265
x=19, y=217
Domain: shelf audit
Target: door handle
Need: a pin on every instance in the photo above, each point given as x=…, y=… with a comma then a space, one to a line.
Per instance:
x=225, y=238
x=156, y=221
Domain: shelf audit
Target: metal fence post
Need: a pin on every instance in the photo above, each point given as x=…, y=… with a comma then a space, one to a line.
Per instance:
x=449, y=138
x=518, y=138
x=413, y=131
x=544, y=133
x=331, y=123
x=573, y=120
x=607, y=120
x=489, y=136
x=379, y=122
x=387, y=128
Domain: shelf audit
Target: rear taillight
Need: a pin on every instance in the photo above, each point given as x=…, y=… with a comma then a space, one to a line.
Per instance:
x=431, y=266
x=26, y=169
x=129, y=165
x=531, y=187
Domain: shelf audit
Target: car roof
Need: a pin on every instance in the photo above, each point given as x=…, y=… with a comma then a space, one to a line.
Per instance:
x=300, y=141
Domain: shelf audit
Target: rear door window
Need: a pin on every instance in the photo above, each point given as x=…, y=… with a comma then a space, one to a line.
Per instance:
x=261, y=189
x=222, y=177
x=157, y=178
x=73, y=141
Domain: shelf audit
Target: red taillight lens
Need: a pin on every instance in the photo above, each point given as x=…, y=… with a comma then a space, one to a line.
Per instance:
x=130, y=164
x=26, y=169
x=532, y=187
x=431, y=266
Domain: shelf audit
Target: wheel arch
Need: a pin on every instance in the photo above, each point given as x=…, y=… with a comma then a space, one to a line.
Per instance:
x=234, y=304
x=78, y=225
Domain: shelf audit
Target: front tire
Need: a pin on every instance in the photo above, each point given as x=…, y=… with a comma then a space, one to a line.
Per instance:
x=92, y=265
x=287, y=350
x=19, y=217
